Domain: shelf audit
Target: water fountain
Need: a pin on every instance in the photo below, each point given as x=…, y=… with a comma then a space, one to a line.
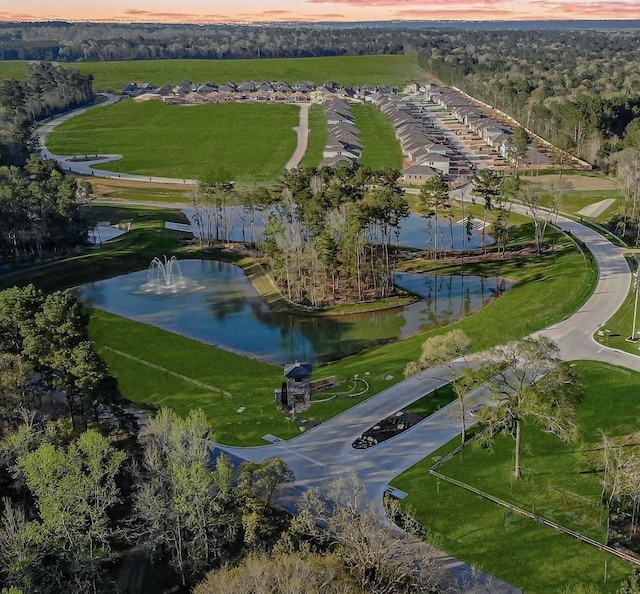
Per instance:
x=165, y=277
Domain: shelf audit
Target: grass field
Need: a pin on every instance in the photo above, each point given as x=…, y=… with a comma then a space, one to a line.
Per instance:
x=346, y=70
x=216, y=142
x=616, y=330
x=132, y=191
x=318, y=135
x=534, y=558
x=380, y=146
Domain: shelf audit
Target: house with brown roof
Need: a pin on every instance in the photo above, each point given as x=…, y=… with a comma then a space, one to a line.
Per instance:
x=418, y=174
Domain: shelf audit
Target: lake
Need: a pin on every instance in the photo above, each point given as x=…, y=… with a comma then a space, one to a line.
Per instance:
x=220, y=307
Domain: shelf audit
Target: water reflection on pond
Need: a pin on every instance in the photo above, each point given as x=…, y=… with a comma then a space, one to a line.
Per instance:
x=228, y=312
x=234, y=223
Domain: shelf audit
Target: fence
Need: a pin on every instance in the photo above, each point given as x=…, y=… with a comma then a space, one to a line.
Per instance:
x=603, y=547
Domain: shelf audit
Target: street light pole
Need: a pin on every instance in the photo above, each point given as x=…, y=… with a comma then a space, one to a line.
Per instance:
x=636, y=282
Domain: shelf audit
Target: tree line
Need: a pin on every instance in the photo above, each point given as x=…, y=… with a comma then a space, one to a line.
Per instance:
x=577, y=89
x=43, y=212
x=47, y=89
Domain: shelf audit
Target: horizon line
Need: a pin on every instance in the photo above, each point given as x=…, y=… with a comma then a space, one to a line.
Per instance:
x=309, y=22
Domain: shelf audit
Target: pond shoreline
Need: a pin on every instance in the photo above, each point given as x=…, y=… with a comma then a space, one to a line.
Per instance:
x=264, y=285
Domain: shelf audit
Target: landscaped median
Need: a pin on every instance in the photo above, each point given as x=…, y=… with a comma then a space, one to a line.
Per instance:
x=556, y=486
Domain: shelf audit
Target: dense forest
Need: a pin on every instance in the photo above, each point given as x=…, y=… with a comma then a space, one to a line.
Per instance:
x=42, y=212
x=46, y=90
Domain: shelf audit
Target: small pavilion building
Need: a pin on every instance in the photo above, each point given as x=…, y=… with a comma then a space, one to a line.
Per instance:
x=296, y=389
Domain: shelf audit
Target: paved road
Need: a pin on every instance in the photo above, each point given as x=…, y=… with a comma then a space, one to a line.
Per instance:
x=325, y=452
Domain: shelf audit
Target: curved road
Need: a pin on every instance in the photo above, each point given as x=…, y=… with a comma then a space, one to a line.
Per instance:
x=325, y=452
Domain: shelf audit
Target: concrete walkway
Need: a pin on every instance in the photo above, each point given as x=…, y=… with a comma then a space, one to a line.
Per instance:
x=302, y=130
x=596, y=209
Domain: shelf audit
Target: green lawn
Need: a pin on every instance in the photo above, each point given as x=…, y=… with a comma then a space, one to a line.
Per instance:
x=318, y=135
x=219, y=142
x=620, y=326
x=346, y=70
x=250, y=382
x=534, y=558
x=380, y=146
x=10, y=69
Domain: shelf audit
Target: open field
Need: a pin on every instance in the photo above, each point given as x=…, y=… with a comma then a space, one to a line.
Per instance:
x=380, y=146
x=214, y=142
x=105, y=188
x=12, y=69
x=576, y=181
x=318, y=135
x=526, y=554
x=346, y=70
x=577, y=190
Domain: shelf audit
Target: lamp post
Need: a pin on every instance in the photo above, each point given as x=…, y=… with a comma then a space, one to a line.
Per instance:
x=636, y=286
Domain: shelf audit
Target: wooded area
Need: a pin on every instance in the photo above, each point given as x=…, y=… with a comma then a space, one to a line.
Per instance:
x=46, y=90
x=42, y=212
x=578, y=89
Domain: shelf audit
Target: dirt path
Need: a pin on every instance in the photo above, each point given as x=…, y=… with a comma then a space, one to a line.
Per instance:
x=576, y=182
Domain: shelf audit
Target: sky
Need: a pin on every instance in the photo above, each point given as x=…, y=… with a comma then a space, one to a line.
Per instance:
x=243, y=11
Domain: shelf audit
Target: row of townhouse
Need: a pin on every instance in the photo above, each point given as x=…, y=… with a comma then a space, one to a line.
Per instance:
x=343, y=144
x=496, y=134
x=188, y=92
x=419, y=140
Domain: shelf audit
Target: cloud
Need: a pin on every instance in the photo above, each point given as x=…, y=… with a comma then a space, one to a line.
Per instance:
x=433, y=6
x=21, y=16
x=501, y=9
x=599, y=9
x=275, y=12
x=455, y=14
x=149, y=14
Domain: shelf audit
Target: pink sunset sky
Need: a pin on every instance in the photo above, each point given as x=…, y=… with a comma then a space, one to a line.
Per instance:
x=216, y=11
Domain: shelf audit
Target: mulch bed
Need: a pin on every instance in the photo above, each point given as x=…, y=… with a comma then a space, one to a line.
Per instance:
x=386, y=429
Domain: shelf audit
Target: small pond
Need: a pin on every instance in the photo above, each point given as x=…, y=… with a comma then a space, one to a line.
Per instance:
x=235, y=224
x=221, y=307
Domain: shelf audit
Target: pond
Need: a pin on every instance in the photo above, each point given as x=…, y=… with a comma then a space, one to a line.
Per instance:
x=233, y=223
x=219, y=306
